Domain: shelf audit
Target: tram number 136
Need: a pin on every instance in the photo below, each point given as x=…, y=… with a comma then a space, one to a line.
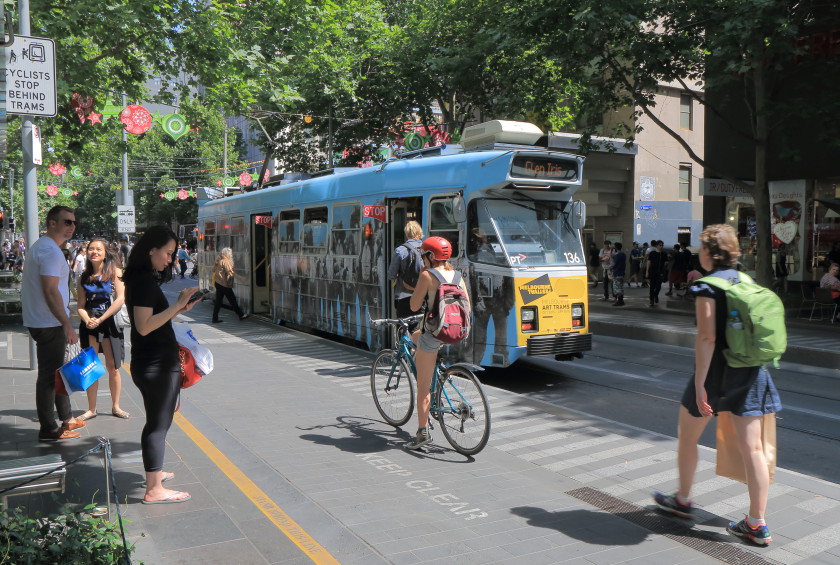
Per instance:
x=571, y=257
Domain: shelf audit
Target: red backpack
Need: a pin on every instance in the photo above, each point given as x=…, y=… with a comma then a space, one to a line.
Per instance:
x=449, y=318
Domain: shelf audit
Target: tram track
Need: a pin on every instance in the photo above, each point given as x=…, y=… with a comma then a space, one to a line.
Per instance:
x=571, y=375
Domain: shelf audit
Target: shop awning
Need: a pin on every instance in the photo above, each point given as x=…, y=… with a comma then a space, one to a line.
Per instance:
x=832, y=203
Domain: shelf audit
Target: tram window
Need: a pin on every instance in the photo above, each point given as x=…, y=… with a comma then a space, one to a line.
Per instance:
x=442, y=223
x=315, y=230
x=345, y=230
x=210, y=235
x=482, y=242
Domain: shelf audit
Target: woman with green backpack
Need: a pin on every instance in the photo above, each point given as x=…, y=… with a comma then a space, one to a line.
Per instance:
x=746, y=392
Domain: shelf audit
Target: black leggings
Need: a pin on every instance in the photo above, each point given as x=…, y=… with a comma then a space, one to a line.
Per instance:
x=159, y=381
x=221, y=292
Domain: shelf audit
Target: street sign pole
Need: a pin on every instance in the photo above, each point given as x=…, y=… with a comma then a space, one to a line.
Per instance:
x=30, y=178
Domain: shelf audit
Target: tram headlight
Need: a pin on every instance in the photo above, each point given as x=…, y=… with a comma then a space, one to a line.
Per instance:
x=528, y=319
x=578, y=319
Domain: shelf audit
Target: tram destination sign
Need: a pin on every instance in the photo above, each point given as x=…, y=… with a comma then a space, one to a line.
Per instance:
x=533, y=167
x=30, y=77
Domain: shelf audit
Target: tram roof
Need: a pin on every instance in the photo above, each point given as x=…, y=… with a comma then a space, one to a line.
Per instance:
x=395, y=176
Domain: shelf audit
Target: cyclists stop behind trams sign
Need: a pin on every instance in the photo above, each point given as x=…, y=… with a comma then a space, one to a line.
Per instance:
x=30, y=76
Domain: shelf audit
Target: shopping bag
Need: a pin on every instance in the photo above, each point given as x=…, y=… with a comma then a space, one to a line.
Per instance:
x=202, y=356
x=121, y=318
x=730, y=463
x=70, y=351
x=82, y=371
x=189, y=372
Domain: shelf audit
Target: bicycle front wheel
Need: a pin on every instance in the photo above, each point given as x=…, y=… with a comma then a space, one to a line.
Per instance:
x=392, y=387
x=463, y=411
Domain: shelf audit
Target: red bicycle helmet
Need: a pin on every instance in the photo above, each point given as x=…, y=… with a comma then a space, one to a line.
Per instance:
x=439, y=247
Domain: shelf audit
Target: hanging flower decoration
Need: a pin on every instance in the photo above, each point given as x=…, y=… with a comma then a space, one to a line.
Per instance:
x=58, y=169
x=83, y=106
x=95, y=118
x=182, y=194
x=245, y=179
x=266, y=176
x=219, y=182
x=52, y=189
x=75, y=193
x=136, y=119
x=175, y=125
x=191, y=193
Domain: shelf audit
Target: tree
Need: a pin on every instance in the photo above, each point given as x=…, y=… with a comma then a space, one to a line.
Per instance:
x=624, y=49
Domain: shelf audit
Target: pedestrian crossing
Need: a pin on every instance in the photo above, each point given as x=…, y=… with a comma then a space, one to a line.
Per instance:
x=577, y=447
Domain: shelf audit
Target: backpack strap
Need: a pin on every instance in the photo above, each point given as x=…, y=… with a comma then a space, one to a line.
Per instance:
x=435, y=273
x=724, y=284
x=410, y=250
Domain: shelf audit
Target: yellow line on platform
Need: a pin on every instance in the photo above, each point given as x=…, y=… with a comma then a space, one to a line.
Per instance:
x=287, y=525
x=261, y=500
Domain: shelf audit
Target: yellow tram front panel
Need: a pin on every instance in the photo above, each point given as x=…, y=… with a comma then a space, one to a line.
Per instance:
x=552, y=314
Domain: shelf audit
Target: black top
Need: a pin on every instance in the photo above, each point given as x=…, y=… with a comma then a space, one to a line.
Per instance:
x=144, y=290
x=657, y=264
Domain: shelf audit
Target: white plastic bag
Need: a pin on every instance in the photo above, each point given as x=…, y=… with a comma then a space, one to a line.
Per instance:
x=203, y=356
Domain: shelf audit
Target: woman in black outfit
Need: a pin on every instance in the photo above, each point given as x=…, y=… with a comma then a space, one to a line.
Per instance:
x=155, y=366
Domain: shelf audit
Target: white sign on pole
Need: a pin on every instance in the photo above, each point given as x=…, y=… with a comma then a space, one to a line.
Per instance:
x=37, y=157
x=125, y=219
x=30, y=77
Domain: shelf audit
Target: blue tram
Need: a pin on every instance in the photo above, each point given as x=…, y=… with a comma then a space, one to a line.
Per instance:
x=314, y=253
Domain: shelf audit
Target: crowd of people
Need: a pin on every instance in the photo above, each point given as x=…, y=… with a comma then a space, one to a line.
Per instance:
x=646, y=265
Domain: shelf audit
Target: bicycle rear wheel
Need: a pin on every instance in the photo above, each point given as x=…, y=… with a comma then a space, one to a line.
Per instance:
x=392, y=387
x=463, y=411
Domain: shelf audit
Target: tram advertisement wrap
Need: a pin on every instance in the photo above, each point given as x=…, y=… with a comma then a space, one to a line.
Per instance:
x=553, y=298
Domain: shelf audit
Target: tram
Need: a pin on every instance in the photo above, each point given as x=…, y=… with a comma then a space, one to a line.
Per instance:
x=313, y=253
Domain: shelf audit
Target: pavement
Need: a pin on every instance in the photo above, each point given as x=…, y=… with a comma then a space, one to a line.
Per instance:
x=288, y=461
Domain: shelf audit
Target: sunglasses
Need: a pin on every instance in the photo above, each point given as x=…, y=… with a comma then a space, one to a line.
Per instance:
x=69, y=222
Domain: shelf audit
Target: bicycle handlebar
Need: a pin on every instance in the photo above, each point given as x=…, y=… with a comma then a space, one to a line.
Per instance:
x=404, y=322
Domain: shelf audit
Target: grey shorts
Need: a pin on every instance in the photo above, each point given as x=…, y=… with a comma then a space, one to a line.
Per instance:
x=428, y=342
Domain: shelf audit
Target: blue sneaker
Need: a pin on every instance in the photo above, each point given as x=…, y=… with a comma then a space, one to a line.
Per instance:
x=668, y=503
x=759, y=535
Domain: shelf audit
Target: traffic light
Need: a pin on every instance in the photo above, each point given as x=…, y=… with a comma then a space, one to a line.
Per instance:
x=2, y=219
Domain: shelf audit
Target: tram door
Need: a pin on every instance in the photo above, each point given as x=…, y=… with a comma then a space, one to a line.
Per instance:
x=261, y=263
x=400, y=211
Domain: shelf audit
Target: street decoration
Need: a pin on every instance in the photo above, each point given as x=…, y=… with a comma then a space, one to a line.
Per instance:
x=76, y=172
x=182, y=194
x=136, y=118
x=82, y=105
x=58, y=169
x=229, y=181
x=245, y=179
x=175, y=125
x=51, y=189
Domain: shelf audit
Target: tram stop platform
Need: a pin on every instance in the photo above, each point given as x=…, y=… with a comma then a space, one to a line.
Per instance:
x=288, y=462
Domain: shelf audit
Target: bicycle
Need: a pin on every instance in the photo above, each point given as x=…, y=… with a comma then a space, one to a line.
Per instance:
x=458, y=402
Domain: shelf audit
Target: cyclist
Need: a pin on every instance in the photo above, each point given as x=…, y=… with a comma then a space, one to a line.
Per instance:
x=436, y=252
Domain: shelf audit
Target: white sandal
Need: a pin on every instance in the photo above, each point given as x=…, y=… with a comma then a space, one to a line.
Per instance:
x=88, y=415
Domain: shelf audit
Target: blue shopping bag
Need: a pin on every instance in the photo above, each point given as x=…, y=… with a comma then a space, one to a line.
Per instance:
x=82, y=371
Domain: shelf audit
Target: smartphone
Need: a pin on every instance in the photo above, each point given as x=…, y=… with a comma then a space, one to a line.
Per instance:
x=198, y=296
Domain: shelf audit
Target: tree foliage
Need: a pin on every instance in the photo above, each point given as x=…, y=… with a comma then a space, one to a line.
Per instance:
x=746, y=52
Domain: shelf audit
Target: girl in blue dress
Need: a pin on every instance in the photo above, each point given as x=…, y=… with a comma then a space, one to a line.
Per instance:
x=100, y=294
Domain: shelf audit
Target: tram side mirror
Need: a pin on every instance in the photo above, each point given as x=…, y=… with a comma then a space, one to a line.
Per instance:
x=459, y=210
x=577, y=214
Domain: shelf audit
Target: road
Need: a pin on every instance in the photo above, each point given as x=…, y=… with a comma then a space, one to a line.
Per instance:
x=640, y=384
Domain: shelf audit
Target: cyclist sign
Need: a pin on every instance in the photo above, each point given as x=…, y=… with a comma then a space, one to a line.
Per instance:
x=30, y=76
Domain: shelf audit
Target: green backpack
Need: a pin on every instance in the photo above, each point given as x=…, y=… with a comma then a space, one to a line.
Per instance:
x=755, y=325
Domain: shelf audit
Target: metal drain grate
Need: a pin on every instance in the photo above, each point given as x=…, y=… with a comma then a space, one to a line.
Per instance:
x=714, y=545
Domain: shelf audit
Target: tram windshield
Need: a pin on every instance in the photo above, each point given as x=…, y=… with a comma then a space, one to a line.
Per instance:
x=522, y=233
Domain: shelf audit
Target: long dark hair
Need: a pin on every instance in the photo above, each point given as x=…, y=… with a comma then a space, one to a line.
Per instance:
x=139, y=260
x=109, y=267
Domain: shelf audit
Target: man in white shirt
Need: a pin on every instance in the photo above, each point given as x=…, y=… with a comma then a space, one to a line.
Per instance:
x=45, y=292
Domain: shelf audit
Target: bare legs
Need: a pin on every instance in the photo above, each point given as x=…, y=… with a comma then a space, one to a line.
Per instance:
x=156, y=491
x=748, y=430
x=425, y=362
x=114, y=379
x=689, y=430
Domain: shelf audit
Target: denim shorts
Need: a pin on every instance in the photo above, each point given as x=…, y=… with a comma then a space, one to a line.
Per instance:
x=428, y=342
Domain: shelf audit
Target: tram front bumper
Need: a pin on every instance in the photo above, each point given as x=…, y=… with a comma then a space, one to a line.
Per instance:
x=563, y=345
